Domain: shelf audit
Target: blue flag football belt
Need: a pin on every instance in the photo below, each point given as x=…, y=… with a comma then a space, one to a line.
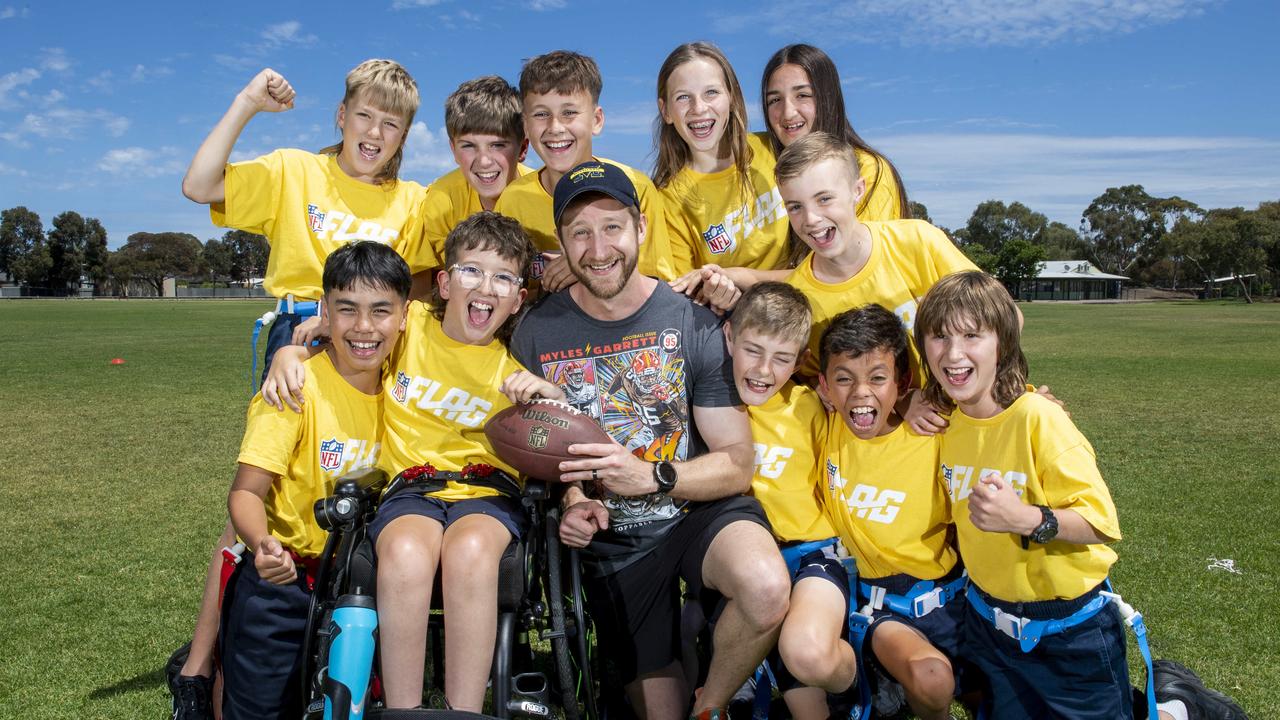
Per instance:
x=284, y=306
x=1029, y=632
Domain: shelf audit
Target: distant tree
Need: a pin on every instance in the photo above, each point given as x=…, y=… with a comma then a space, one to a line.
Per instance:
x=993, y=224
x=216, y=260
x=920, y=212
x=248, y=254
x=1017, y=261
x=67, y=242
x=1124, y=227
x=119, y=271
x=1225, y=243
x=1268, y=216
x=95, y=252
x=1061, y=242
x=152, y=257
x=23, y=255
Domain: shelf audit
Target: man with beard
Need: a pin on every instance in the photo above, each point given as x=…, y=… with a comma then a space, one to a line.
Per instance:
x=662, y=502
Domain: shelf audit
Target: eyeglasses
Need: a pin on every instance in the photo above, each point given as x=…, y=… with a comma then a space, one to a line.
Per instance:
x=472, y=277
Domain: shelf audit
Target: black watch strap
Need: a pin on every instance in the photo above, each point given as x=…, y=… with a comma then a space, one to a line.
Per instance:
x=664, y=474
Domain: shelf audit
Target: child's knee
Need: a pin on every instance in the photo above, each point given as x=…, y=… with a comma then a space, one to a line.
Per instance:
x=930, y=680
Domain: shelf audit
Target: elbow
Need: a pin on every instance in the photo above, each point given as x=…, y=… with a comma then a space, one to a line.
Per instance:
x=193, y=191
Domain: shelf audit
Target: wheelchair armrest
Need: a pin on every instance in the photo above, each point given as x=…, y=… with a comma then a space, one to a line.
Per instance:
x=536, y=489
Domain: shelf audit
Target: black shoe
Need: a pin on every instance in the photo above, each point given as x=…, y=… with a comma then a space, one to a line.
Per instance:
x=1175, y=681
x=192, y=697
x=173, y=668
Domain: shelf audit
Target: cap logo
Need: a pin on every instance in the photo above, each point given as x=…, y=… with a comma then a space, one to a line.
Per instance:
x=587, y=173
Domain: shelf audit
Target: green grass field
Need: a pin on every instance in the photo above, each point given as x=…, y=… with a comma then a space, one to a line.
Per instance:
x=115, y=480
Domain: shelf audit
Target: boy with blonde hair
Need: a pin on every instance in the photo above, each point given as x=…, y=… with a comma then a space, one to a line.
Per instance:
x=560, y=92
x=307, y=205
x=766, y=337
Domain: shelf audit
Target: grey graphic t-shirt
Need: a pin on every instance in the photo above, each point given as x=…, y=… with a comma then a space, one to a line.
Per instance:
x=638, y=378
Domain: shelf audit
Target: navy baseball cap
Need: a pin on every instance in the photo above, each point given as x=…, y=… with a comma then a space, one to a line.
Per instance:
x=594, y=176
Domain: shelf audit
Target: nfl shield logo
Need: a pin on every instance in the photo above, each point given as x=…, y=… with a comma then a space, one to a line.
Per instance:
x=330, y=454
x=717, y=239
x=315, y=218
x=401, y=391
x=537, y=266
x=538, y=437
x=832, y=473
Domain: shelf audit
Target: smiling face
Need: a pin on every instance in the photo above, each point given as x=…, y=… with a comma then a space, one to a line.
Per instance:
x=489, y=162
x=601, y=240
x=821, y=204
x=789, y=103
x=560, y=127
x=697, y=104
x=474, y=315
x=370, y=137
x=863, y=390
x=364, y=323
x=762, y=363
x=963, y=358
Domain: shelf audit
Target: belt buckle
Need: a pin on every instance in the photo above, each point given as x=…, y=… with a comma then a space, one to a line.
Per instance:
x=928, y=602
x=1009, y=624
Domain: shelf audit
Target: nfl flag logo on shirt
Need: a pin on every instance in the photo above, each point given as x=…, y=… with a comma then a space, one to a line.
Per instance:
x=717, y=238
x=330, y=454
x=401, y=391
x=315, y=218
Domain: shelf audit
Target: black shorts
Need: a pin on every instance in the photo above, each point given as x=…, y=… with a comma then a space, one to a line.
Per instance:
x=821, y=563
x=446, y=512
x=637, y=609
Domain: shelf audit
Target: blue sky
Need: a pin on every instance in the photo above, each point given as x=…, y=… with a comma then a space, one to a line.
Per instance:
x=1047, y=102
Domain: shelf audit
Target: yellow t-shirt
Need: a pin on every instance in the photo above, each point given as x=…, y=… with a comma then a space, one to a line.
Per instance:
x=307, y=207
x=440, y=393
x=884, y=498
x=448, y=201
x=528, y=203
x=907, y=258
x=710, y=221
x=336, y=433
x=1039, y=451
x=880, y=202
x=786, y=431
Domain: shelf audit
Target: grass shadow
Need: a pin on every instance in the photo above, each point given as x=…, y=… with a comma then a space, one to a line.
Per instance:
x=146, y=681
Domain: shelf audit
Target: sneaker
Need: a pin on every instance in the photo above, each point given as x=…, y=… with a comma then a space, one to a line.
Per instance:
x=888, y=697
x=1175, y=681
x=174, y=667
x=192, y=697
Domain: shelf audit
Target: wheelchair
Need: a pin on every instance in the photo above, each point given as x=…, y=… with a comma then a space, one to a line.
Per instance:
x=540, y=606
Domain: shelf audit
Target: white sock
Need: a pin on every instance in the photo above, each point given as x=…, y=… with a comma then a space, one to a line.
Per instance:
x=1174, y=709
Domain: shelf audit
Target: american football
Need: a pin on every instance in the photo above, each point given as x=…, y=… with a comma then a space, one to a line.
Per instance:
x=535, y=438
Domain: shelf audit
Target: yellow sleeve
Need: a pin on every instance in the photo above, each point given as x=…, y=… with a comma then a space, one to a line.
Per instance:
x=251, y=194
x=678, y=232
x=656, y=257
x=415, y=243
x=271, y=436
x=1071, y=480
x=943, y=254
x=881, y=201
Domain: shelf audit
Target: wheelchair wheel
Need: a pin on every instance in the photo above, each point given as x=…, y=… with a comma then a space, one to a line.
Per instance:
x=570, y=641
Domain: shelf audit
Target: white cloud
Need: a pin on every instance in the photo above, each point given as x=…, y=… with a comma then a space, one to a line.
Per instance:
x=9, y=170
x=544, y=5
x=141, y=162
x=426, y=152
x=951, y=23
x=54, y=59
x=409, y=4
x=142, y=73
x=237, y=62
x=8, y=12
x=287, y=33
x=103, y=81
x=14, y=80
x=62, y=123
x=631, y=119
x=1059, y=175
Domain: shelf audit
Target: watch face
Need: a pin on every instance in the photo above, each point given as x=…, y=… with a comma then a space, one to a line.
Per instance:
x=665, y=474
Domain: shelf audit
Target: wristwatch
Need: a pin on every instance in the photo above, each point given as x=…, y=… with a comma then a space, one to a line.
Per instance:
x=1046, y=531
x=664, y=474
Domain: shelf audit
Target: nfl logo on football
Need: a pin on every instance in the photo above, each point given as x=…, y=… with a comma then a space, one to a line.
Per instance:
x=717, y=239
x=538, y=437
x=330, y=454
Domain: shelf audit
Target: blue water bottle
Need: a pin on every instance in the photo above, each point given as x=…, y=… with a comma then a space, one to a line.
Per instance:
x=350, y=656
